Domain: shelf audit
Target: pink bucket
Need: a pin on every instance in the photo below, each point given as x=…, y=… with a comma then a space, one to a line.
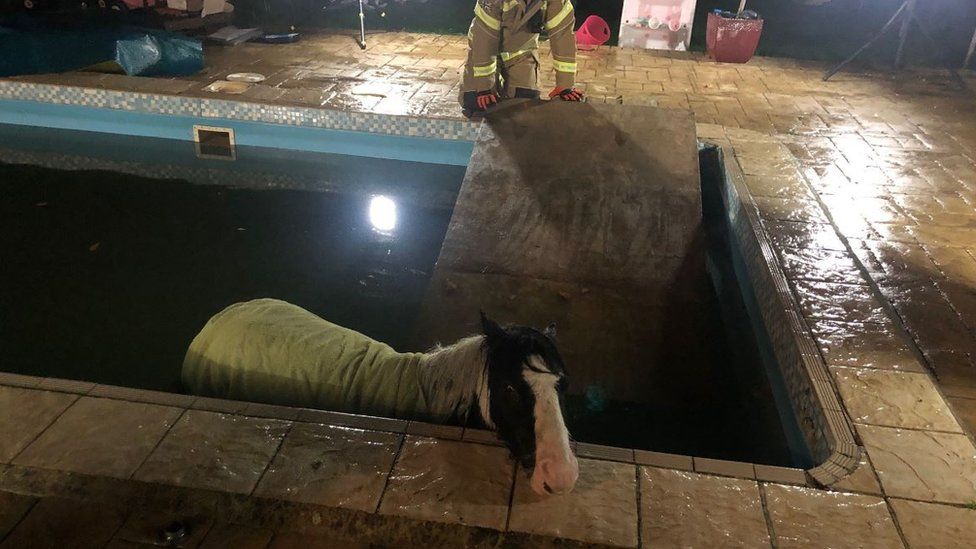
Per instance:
x=139, y=4
x=593, y=32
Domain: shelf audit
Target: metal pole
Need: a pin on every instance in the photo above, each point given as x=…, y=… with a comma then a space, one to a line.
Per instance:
x=903, y=34
x=881, y=33
x=362, y=27
x=742, y=7
x=969, y=54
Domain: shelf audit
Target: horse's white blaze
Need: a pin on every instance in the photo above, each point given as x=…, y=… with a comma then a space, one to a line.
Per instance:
x=555, y=465
x=484, y=400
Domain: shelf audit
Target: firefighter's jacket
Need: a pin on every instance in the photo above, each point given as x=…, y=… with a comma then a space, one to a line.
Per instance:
x=506, y=30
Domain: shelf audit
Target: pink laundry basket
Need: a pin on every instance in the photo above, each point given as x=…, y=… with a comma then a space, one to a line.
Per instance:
x=592, y=33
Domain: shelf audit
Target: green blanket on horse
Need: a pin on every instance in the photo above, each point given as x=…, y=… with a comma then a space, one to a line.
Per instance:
x=274, y=352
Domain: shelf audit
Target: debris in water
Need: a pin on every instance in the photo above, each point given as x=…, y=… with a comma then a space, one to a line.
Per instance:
x=41, y=204
x=94, y=246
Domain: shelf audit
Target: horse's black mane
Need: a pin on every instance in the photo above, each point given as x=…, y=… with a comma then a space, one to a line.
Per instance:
x=511, y=400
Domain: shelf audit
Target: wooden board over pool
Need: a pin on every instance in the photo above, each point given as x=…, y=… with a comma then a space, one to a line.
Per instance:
x=594, y=194
x=587, y=215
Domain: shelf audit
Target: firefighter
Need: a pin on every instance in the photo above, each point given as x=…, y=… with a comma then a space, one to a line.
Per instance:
x=503, y=60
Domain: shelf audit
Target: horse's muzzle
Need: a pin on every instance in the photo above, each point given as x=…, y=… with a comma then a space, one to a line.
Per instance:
x=552, y=476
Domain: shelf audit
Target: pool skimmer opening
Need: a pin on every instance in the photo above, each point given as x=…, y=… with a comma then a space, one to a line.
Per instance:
x=214, y=143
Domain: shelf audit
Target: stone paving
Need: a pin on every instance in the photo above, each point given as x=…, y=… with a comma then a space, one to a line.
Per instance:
x=866, y=185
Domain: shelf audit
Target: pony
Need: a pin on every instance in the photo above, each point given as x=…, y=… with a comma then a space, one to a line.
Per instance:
x=510, y=379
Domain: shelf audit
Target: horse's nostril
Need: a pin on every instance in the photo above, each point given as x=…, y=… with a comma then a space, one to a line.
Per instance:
x=545, y=486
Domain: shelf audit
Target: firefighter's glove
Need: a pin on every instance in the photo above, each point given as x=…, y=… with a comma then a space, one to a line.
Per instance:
x=566, y=94
x=486, y=99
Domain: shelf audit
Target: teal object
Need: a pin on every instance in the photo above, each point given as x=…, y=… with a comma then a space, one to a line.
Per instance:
x=595, y=398
x=137, y=52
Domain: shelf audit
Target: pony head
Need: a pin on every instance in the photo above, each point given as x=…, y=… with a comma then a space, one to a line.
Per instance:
x=526, y=380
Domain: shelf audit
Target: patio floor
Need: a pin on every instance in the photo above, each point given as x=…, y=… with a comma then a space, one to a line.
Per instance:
x=867, y=185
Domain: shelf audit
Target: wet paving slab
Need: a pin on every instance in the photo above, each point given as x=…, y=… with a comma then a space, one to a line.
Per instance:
x=802, y=517
x=229, y=452
x=450, y=482
x=893, y=399
x=672, y=516
x=335, y=466
x=923, y=465
x=100, y=436
x=600, y=509
x=931, y=526
x=27, y=414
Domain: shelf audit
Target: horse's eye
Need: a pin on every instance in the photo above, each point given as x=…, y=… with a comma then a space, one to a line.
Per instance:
x=510, y=388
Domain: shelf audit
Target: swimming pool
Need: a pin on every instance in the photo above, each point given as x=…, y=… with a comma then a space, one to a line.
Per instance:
x=118, y=249
x=115, y=269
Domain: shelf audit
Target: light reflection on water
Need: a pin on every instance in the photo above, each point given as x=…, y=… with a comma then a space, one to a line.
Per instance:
x=383, y=213
x=171, y=253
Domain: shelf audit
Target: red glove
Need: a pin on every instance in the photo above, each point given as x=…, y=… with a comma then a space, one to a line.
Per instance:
x=487, y=99
x=566, y=94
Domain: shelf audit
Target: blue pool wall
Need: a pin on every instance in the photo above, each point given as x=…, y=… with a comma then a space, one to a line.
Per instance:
x=428, y=140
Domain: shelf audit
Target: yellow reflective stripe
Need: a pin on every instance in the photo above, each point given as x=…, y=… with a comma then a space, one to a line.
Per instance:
x=509, y=4
x=561, y=16
x=484, y=70
x=488, y=20
x=532, y=44
x=508, y=56
x=563, y=66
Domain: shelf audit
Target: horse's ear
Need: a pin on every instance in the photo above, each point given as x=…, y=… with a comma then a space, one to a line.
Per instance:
x=490, y=328
x=550, y=331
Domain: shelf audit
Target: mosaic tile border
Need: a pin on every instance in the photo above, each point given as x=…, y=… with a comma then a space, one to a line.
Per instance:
x=323, y=118
x=821, y=417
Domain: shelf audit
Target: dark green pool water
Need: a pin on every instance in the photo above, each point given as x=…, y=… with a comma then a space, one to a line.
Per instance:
x=108, y=275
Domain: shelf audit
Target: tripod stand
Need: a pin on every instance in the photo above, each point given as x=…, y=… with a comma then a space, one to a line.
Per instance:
x=362, y=27
x=907, y=12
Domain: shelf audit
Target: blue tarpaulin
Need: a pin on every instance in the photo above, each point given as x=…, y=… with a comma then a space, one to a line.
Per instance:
x=138, y=52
